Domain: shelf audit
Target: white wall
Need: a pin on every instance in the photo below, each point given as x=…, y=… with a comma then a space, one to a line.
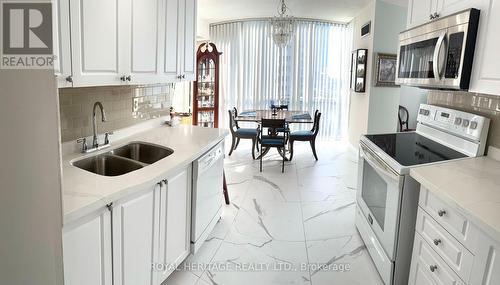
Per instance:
x=411, y=98
x=384, y=101
x=30, y=179
x=376, y=110
x=202, y=29
x=359, y=102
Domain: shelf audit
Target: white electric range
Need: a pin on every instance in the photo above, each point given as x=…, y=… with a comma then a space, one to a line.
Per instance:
x=387, y=196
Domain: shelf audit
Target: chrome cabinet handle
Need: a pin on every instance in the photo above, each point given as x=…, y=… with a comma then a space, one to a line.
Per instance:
x=69, y=79
x=441, y=213
x=433, y=268
x=436, y=241
x=128, y=78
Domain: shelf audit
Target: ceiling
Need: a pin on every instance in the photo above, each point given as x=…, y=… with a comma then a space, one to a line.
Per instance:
x=214, y=11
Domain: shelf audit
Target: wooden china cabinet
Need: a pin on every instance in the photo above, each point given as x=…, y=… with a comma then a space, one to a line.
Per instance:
x=206, y=87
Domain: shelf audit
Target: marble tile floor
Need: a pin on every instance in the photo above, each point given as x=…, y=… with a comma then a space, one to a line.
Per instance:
x=295, y=227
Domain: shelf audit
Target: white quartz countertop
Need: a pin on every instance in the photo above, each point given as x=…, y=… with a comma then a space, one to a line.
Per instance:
x=85, y=192
x=472, y=186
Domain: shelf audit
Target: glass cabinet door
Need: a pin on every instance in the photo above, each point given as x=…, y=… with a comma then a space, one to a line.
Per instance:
x=205, y=99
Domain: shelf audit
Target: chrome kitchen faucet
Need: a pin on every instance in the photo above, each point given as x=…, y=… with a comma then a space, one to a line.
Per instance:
x=95, y=143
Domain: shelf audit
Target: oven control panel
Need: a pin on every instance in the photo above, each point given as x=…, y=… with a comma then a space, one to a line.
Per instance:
x=460, y=123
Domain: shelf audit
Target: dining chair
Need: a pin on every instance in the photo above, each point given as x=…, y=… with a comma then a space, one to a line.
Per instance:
x=306, y=135
x=238, y=133
x=273, y=139
x=403, y=117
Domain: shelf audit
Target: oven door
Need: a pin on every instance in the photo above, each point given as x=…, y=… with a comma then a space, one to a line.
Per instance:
x=379, y=197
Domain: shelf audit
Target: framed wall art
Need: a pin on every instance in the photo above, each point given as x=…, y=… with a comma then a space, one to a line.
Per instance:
x=385, y=70
x=358, y=70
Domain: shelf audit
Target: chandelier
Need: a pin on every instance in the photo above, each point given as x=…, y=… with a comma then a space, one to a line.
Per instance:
x=282, y=26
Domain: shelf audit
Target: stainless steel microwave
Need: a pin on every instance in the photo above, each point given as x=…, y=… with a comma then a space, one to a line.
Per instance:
x=439, y=54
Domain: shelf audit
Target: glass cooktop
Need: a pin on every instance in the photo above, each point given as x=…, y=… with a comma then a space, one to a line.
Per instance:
x=413, y=149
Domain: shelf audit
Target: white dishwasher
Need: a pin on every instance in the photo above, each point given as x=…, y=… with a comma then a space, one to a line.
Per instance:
x=207, y=195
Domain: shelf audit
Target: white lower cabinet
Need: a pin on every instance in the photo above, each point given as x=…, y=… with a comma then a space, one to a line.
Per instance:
x=486, y=270
x=134, y=246
x=139, y=239
x=428, y=268
x=87, y=250
x=175, y=222
x=450, y=249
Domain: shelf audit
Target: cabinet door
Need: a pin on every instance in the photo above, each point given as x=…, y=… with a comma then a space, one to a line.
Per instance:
x=87, y=250
x=175, y=221
x=419, y=11
x=95, y=45
x=134, y=244
x=448, y=7
x=62, y=46
x=485, y=72
x=187, y=15
x=486, y=270
x=169, y=39
x=140, y=30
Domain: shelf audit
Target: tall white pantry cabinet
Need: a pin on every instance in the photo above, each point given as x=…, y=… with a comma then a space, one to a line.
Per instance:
x=485, y=76
x=121, y=42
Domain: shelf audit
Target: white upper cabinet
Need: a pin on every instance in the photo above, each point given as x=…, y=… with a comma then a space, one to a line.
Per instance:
x=87, y=250
x=95, y=42
x=179, y=38
x=117, y=42
x=62, y=45
x=188, y=26
x=141, y=25
x=420, y=11
x=485, y=73
x=448, y=7
x=170, y=40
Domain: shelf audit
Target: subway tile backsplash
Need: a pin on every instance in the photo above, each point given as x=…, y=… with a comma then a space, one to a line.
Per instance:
x=124, y=106
x=482, y=104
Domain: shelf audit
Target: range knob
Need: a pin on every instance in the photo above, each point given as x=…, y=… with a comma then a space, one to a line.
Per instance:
x=473, y=125
x=465, y=123
x=458, y=121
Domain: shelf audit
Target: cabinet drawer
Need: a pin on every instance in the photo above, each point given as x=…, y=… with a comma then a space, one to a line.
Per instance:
x=450, y=219
x=427, y=268
x=455, y=254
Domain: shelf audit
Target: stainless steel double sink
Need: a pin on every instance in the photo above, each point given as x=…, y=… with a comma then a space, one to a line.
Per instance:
x=125, y=159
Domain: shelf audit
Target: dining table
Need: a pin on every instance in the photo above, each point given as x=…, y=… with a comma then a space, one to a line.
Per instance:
x=290, y=116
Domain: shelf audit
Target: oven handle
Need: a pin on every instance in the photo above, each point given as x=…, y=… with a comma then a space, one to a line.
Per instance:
x=435, y=66
x=378, y=163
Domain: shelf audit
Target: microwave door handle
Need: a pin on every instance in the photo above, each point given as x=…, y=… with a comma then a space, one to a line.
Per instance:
x=378, y=164
x=435, y=59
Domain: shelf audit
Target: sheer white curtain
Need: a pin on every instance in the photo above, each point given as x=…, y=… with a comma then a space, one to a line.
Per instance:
x=311, y=73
